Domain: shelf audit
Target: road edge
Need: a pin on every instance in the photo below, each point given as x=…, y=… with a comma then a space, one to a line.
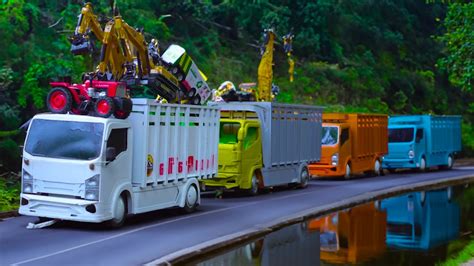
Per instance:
x=220, y=243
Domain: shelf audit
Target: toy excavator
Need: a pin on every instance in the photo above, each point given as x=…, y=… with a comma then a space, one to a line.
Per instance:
x=126, y=61
x=264, y=90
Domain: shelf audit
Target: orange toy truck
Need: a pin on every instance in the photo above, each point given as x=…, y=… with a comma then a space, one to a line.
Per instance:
x=351, y=144
x=351, y=236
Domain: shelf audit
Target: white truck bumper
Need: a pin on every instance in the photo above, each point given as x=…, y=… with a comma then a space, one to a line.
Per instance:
x=63, y=208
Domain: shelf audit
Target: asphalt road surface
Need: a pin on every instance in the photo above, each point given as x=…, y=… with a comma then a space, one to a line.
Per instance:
x=151, y=236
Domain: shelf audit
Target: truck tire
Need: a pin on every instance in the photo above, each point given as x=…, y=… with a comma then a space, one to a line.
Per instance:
x=253, y=191
x=304, y=178
x=377, y=168
x=191, y=93
x=120, y=213
x=196, y=100
x=59, y=100
x=422, y=165
x=449, y=164
x=104, y=107
x=123, y=107
x=191, y=200
x=348, y=173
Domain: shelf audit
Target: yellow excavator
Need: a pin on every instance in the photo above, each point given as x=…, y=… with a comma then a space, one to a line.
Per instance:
x=264, y=90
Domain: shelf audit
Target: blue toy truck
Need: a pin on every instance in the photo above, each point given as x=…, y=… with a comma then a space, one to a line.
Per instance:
x=421, y=220
x=422, y=141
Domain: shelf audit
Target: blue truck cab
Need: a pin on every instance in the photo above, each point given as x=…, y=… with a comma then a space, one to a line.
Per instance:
x=421, y=220
x=422, y=141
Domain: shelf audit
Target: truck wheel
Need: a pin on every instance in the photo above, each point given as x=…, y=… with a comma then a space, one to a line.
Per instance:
x=123, y=107
x=348, y=173
x=304, y=177
x=254, y=185
x=422, y=165
x=191, y=93
x=449, y=164
x=377, y=168
x=196, y=100
x=190, y=203
x=104, y=107
x=120, y=213
x=59, y=100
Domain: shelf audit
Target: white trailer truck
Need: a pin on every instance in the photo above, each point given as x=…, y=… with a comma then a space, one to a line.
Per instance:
x=93, y=169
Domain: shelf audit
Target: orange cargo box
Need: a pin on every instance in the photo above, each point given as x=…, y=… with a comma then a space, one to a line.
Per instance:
x=351, y=144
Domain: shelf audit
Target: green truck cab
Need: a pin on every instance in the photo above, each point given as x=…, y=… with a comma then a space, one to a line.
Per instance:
x=264, y=144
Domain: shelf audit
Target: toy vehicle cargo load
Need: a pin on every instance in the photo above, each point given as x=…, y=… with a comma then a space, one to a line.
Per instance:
x=422, y=141
x=351, y=143
x=263, y=144
x=93, y=169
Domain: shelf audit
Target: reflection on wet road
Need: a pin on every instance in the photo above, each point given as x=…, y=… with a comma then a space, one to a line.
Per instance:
x=422, y=228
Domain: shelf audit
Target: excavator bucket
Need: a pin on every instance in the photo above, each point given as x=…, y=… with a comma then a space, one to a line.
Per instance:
x=80, y=46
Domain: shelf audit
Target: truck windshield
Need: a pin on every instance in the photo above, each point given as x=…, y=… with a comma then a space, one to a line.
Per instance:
x=400, y=134
x=64, y=139
x=228, y=132
x=329, y=135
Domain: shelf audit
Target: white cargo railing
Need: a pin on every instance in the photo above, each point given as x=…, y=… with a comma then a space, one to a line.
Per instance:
x=173, y=142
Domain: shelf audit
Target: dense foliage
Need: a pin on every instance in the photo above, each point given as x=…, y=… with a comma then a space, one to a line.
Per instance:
x=352, y=55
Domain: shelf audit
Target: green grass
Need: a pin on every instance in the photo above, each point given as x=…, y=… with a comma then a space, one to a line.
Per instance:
x=465, y=255
x=9, y=194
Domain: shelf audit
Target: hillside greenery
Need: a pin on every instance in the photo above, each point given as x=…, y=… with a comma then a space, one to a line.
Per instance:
x=395, y=57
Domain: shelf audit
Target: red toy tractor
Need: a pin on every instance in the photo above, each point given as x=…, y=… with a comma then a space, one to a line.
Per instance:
x=99, y=98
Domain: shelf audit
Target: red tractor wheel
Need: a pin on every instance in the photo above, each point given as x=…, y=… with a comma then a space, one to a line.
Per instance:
x=104, y=107
x=123, y=107
x=59, y=100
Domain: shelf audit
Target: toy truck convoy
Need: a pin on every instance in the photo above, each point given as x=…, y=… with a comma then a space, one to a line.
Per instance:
x=422, y=141
x=351, y=143
x=264, y=144
x=94, y=169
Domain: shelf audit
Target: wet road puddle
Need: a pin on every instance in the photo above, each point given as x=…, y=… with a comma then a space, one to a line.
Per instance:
x=419, y=228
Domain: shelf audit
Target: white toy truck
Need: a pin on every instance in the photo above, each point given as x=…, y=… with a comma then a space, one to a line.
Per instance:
x=93, y=169
x=187, y=73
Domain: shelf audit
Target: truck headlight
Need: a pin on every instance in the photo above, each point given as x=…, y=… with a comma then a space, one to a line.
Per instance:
x=335, y=159
x=92, y=188
x=411, y=154
x=27, y=182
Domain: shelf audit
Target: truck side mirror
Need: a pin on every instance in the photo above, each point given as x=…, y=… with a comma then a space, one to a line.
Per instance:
x=110, y=154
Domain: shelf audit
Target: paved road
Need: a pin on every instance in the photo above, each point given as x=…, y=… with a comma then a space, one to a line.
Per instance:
x=147, y=237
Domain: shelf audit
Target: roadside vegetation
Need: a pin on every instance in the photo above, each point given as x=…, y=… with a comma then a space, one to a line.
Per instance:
x=396, y=57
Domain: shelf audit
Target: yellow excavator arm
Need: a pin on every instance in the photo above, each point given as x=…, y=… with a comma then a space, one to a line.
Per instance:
x=265, y=68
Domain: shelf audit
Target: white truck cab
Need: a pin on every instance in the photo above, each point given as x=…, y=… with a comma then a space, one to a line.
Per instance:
x=93, y=169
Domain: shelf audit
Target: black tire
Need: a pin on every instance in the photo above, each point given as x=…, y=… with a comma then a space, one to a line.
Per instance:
x=119, y=219
x=123, y=107
x=100, y=107
x=191, y=93
x=59, y=100
x=196, y=100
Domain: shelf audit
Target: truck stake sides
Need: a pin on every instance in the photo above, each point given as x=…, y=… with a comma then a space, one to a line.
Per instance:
x=422, y=141
x=351, y=143
x=264, y=144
